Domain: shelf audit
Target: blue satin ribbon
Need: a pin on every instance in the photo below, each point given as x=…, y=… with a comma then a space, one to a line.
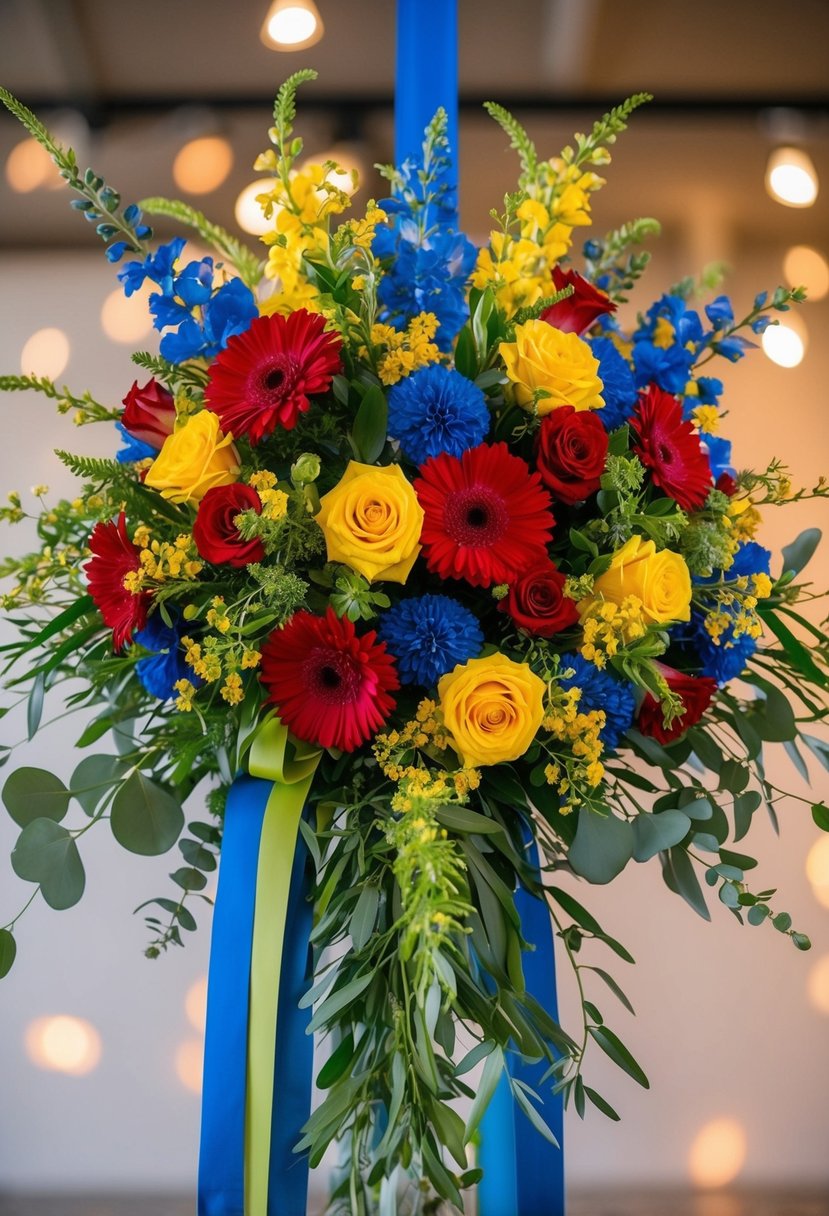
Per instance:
x=523, y=1172
x=222, y=1153
x=427, y=76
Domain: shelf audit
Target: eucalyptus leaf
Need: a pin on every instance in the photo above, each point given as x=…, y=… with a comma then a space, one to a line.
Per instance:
x=46, y=853
x=8, y=952
x=93, y=777
x=145, y=818
x=602, y=847
x=34, y=793
x=800, y=551
x=655, y=833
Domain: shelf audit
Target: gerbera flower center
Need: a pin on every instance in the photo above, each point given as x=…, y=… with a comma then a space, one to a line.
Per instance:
x=666, y=454
x=332, y=676
x=271, y=382
x=476, y=516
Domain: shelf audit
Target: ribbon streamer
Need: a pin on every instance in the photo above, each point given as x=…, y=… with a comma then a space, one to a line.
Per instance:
x=523, y=1171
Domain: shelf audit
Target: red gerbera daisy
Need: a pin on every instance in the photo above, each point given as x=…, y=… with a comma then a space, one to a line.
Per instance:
x=671, y=449
x=265, y=375
x=488, y=517
x=330, y=686
x=114, y=556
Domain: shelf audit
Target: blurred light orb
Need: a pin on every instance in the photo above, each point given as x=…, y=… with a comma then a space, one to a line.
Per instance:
x=807, y=267
x=791, y=178
x=718, y=1153
x=202, y=164
x=817, y=985
x=45, y=353
x=29, y=167
x=249, y=214
x=195, y=1004
x=292, y=25
x=126, y=318
x=785, y=343
x=189, y=1062
x=63, y=1044
x=817, y=870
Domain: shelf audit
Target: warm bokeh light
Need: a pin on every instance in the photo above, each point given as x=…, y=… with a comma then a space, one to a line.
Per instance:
x=63, y=1044
x=29, y=167
x=195, y=1004
x=785, y=343
x=807, y=267
x=817, y=985
x=350, y=168
x=791, y=178
x=718, y=1153
x=292, y=25
x=126, y=318
x=248, y=212
x=46, y=353
x=817, y=870
x=201, y=165
x=189, y=1061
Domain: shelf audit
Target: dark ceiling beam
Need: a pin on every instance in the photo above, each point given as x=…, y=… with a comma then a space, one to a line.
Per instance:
x=105, y=109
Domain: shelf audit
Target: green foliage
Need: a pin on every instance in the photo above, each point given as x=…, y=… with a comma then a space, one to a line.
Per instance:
x=244, y=261
x=33, y=793
x=368, y=434
x=590, y=149
x=8, y=952
x=86, y=408
x=284, y=110
x=145, y=818
x=518, y=137
x=92, y=468
x=46, y=854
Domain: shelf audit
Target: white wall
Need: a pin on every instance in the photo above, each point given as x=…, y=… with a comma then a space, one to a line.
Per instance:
x=724, y=1026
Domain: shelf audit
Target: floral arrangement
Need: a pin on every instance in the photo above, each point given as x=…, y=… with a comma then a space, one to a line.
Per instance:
x=466, y=524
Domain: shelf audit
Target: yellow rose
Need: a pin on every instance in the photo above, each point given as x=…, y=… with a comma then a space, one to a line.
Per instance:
x=493, y=708
x=562, y=365
x=660, y=580
x=194, y=459
x=372, y=522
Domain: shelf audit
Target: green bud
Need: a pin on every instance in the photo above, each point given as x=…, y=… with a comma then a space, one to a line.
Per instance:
x=305, y=469
x=501, y=591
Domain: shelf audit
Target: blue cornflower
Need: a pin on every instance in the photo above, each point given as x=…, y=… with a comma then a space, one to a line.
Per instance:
x=618, y=390
x=133, y=448
x=724, y=659
x=428, y=636
x=749, y=559
x=435, y=410
x=160, y=671
x=666, y=344
x=601, y=690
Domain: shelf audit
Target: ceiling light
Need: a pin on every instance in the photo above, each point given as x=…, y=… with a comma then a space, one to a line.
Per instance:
x=785, y=343
x=791, y=178
x=292, y=25
x=46, y=353
x=807, y=267
x=202, y=164
x=248, y=212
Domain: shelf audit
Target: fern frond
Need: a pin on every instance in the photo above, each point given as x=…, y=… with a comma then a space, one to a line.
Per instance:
x=86, y=407
x=243, y=259
x=170, y=373
x=284, y=108
x=90, y=468
x=63, y=158
x=519, y=139
x=590, y=149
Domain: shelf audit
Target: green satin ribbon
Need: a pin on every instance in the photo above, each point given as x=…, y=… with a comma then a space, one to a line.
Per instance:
x=290, y=765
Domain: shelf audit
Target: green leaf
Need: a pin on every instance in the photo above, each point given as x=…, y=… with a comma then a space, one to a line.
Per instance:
x=34, y=793
x=795, y=650
x=93, y=777
x=450, y=1127
x=801, y=941
x=602, y=847
x=613, y=1047
x=679, y=876
x=34, y=708
x=574, y=909
x=820, y=814
x=189, y=879
x=461, y=819
x=490, y=1076
x=370, y=425
x=364, y=916
x=8, y=952
x=782, y=922
x=797, y=554
x=197, y=855
x=532, y=1114
x=600, y=1104
x=46, y=853
x=655, y=833
x=744, y=807
x=337, y=1001
x=475, y=1054
x=246, y=263
x=337, y=1062
x=613, y=986
x=145, y=818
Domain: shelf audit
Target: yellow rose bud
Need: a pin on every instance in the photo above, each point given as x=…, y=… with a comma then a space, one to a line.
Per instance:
x=660, y=580
x=542, y=358
x=493, y=708
x=194, y=459
x=372, y=521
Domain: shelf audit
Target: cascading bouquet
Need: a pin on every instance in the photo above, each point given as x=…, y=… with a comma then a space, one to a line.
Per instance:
x=474, y=538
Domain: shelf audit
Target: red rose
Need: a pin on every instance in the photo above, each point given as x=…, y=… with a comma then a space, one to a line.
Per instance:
x=570, y=453
x=537, y=603
x=576, y=313
x=694, y=691
x=150, y=413
x=217, y=538
x=726, y=484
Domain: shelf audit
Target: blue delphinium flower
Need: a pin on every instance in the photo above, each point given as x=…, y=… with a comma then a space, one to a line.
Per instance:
x=228, y=311
x=601, y=690
x=158, y=267
x=435, y=410
x=133, y=449
x=666, y=345
x=618, y=391
x=428, y=636
x=160, y=671
x=719, y=455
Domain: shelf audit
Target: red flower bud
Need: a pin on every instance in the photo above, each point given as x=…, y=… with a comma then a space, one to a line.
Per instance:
x=149, y=413
x=578, y=311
